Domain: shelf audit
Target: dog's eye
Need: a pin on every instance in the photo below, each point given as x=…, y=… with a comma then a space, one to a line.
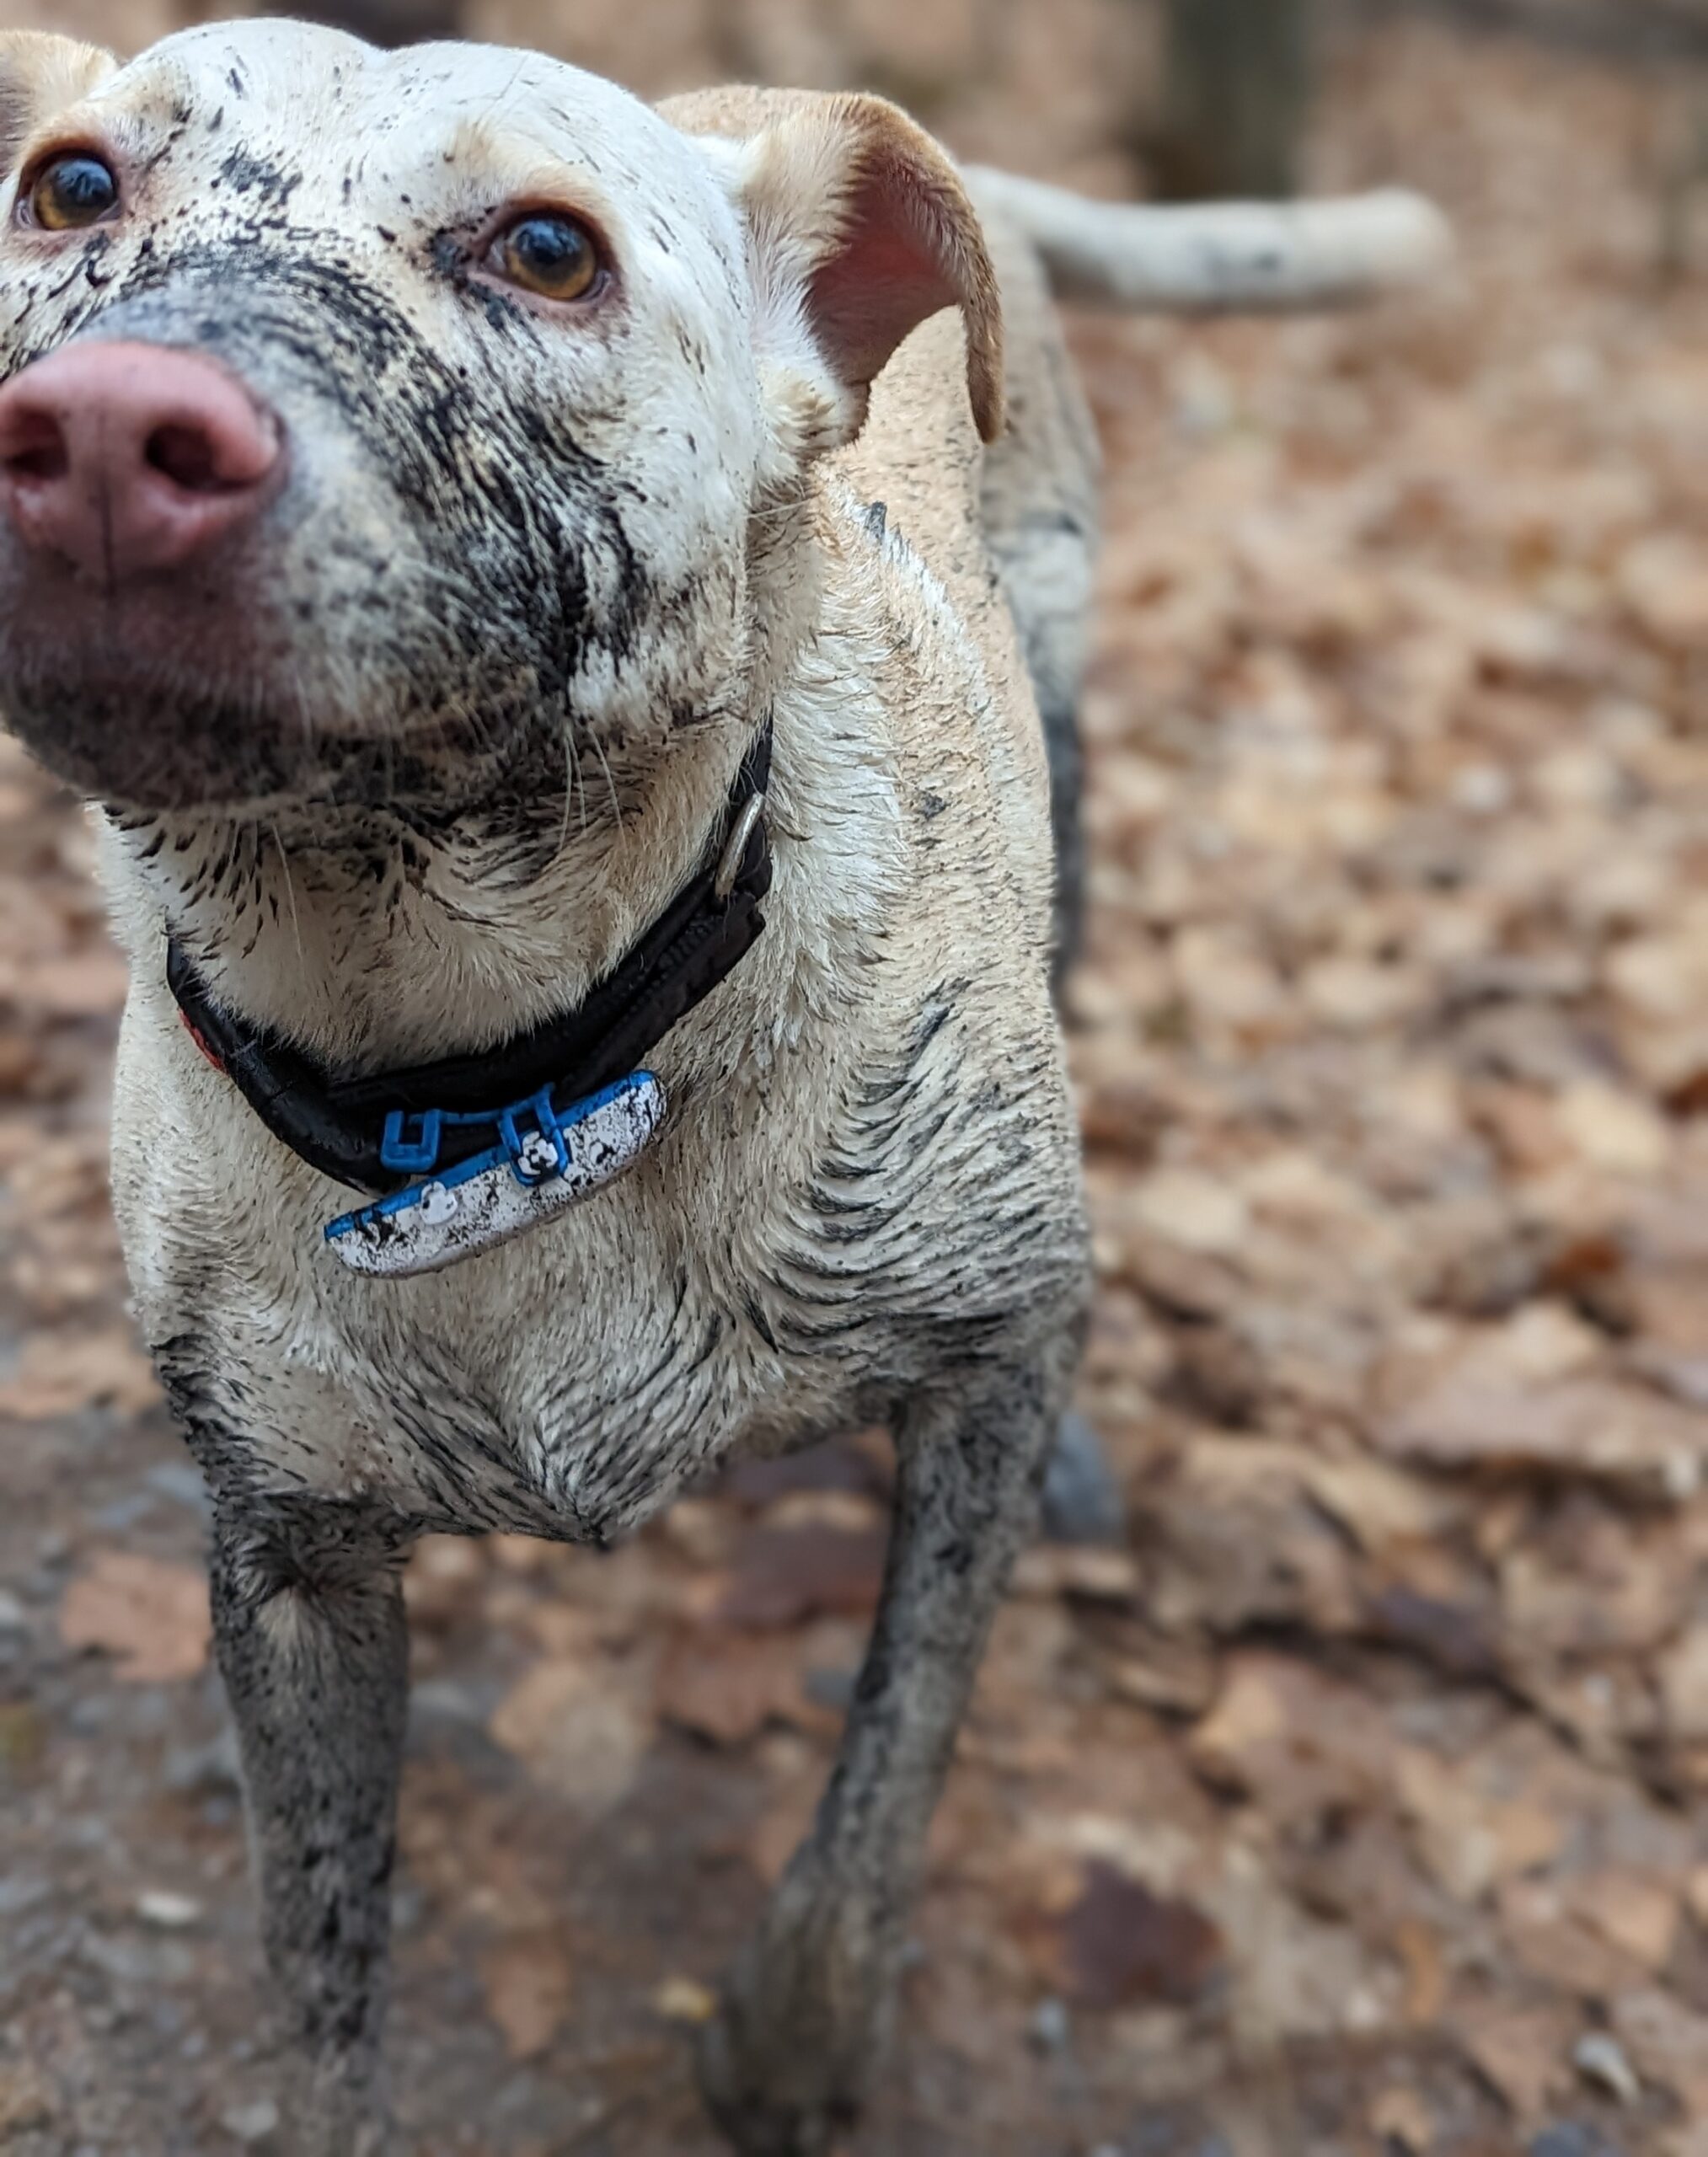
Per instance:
x=77, y=189
x=549, y=252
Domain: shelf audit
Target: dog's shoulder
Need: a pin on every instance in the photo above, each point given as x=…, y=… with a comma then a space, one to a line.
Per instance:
x=960, y=691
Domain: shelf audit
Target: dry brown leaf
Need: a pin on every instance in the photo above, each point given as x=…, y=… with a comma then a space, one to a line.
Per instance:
x=1193, y=1209
x=1663, y=578
x=26, y=2100
x=577, y=1729
x=1603, y=1431
x=1683, y=1679
x=726, y=1685
x=1418, y=1947
x=1379, y=1504
x=1470, y=1837
x=526, y=1983
x=1613, y=1130
x=1082, y=1571
x=1524, y=2052
x=860, y=1463
x=785, y=1575
x=152, y=1616
x=60, y=1372
x=1119, y=1946
x=1589, y=1582
x=90, y=984
x=797, y=1784
x=443, y=1579
x=1177, y=1677
x=1668, y=2044
x=1234, y=1540
x=1296, y=1743
x=1637, y=1912
x=1561, y=1953
x=1400, y=2116
x=524, y=1553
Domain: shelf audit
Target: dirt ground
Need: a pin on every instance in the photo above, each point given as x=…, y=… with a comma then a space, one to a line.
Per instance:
x=1355, y=1808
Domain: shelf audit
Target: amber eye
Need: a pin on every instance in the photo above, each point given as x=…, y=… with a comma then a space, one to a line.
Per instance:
x=77, y=189
x=549, y=252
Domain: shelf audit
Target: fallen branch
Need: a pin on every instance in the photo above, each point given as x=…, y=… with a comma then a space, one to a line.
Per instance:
x=1223, y=257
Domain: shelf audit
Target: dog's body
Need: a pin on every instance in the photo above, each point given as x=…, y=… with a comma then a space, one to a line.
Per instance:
x=901, y=1087
x=416, y=761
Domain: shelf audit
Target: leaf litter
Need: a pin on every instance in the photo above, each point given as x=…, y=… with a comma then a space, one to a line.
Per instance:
x=1359, y=1795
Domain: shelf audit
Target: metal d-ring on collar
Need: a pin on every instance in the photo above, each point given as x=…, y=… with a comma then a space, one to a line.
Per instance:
x=736, y=846
x=347, y=1125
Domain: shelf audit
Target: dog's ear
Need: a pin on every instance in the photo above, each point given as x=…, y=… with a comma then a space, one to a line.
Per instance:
x=40, y=75
x=859, y=228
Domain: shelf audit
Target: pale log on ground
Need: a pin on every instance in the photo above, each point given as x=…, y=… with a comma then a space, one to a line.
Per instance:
x=1226, y=257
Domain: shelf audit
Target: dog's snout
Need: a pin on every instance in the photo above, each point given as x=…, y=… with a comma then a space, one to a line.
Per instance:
x=128, y=458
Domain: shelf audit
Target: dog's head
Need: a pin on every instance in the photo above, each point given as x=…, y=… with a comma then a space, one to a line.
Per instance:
x=376, y=428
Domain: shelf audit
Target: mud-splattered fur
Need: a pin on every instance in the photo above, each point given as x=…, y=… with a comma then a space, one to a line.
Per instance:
x=415, y=765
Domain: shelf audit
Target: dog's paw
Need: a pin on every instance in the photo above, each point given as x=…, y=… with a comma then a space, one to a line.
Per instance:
x=786, y=2061
x=768, y=2102
x=758, y=2126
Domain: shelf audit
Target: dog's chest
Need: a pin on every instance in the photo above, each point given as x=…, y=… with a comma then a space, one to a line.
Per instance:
x=574, y=1380
x=722, y=1294
x=570, y=1381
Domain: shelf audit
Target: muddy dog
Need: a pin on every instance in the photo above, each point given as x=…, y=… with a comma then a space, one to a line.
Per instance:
x=492, y=549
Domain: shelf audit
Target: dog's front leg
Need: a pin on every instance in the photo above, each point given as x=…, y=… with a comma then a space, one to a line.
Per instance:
x=309, y=1628
x=786, y=2062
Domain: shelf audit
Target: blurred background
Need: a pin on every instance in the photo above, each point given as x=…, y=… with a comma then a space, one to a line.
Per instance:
x=1352, y=1806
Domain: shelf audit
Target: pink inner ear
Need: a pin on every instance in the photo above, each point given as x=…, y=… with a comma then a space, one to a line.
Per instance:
x=884, y=280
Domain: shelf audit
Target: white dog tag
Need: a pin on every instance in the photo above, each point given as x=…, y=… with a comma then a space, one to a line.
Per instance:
x=484, y=1201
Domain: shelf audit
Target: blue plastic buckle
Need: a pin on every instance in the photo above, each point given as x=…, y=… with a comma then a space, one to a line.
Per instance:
x=528, y=1149
x=536, y=1151
x=409, y=1156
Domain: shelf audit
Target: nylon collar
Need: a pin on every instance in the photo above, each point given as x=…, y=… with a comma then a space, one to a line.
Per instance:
x=373, y=1131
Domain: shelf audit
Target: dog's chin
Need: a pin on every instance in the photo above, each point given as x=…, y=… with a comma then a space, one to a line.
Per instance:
x=158, y=704
x=145, y=747
x=142, y=748
x=153, y=700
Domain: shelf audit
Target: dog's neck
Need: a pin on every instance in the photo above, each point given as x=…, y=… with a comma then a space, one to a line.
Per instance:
x=383, y=945
x=380, y=943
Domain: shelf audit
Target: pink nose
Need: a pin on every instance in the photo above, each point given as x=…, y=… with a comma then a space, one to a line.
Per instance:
x=127, y=458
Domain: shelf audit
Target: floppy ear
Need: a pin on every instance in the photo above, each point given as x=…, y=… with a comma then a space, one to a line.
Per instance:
x=859, y=228
x=40, y=75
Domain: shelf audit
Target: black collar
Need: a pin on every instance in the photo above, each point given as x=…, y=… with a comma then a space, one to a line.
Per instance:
x=364, y=1130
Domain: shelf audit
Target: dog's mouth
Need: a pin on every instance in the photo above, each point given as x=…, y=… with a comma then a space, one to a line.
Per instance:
x=151, y=754
x=157, y=701
x=176, y=606
x=222, y=589
x=200, y=693
x=232, y=747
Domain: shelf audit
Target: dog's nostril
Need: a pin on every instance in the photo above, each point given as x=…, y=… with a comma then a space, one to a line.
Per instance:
x=188, y=458
x=35, y=449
